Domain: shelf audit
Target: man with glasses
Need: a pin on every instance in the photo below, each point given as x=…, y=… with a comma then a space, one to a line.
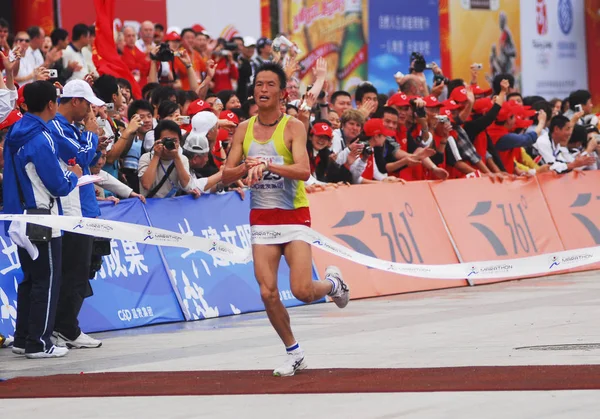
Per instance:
x=31, y=43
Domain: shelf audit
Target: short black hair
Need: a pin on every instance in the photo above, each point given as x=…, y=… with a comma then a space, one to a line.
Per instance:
x=167, y=108
x=58, y=35
x=579, y=135
x=166, y=125
x=148, y=89
x=3, y=23
x=386, y=109
x=542, y=105
x=124, y=83
x=338, y=94
x=559, y=121
x=92, y=30
x=139, y=105
x=225, y=95
x=290, y=106
x=184, y=96
x=498, y=79
x=79, y=30
x=186, y=30
x=106, y=86
x=34, y=32
x=579, y=97
x=273, y=68
x=514, y=94
x=38, y=94
x=158, y=26
x=162, y=93
x=362, y=89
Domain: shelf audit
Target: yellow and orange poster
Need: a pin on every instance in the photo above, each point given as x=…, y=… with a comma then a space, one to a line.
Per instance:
x=485, y=32
x=333, y=29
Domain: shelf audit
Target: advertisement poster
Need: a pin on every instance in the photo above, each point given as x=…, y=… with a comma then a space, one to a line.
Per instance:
x=554, y=47
x=485, y=32
x=333, y=29
x=592, y=31
x=396, y=29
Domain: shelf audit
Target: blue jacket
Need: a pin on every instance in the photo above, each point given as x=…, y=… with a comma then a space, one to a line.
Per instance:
x=30, y=143
x=72, y=144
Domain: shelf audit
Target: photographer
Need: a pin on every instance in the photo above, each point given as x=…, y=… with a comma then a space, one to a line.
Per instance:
x=33, y=180
x=226, y=74
x=165, y=171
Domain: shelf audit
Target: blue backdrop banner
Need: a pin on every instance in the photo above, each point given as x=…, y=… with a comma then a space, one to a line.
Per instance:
x=141, y=284
x=396, y=29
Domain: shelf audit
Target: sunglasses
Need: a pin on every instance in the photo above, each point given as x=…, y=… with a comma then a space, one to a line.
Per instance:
x=22, y=40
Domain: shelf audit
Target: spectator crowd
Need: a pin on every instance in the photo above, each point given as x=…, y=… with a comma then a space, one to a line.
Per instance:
x=60, y=120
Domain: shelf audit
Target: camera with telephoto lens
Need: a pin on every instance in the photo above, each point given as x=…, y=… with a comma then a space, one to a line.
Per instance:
x=439, y=79
x=368, y=150
x=168, y=143
x=164, y=53
x=419, y=64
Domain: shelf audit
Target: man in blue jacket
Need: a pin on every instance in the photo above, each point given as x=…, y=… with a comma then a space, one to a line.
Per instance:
x=33, y=178
x=81, y=147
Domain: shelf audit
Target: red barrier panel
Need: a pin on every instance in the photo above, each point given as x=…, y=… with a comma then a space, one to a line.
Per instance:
x=574, y=202
x=393, y=222
x=494, y=221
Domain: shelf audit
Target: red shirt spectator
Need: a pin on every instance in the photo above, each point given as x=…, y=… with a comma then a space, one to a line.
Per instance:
x=226, y=71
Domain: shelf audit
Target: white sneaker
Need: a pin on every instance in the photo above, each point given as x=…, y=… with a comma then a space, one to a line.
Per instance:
x=292, y=364
x=18, y=351
x=53, y=352
x=82, y=341
x=8, y=342
x=341, y=292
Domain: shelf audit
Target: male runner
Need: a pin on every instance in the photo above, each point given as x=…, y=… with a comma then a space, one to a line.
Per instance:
x=276, y=163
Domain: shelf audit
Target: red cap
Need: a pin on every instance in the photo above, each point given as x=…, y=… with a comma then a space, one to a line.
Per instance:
x=432, y=102
x=527, y=111
x=398, y=99
x=173, y=36
x=21, y=99
x=230, y=116
x=450, y=104
x=479, y=91
x=447, y=112
x=459, y=95
x=223, y=134
x=375, y=126
x=483, y=105
x=12, y=117
x=198, y=106
x=198, y=28
x=321, y=128
x=509, y=108
x=523, y=123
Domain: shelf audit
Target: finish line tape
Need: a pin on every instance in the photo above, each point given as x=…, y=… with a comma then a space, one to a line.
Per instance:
x=510, y=268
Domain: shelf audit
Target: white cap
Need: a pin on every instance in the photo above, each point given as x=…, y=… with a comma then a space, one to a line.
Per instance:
x=249, y=41
x=203, y=122
x=196, y=143
x=80, y=89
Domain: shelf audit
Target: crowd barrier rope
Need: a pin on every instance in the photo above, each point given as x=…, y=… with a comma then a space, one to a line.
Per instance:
x=184, y=259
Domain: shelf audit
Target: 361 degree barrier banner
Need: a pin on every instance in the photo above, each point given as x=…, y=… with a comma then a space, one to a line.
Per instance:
x=399, y=223
x=574, y=202
x=494, y=221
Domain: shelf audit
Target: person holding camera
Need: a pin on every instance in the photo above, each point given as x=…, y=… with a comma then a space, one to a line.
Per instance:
x=81, y=147
x=226, y=74
x=165, y=171
x=33, y=181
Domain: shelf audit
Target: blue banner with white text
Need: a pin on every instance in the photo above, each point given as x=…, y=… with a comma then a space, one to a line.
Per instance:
x=396, y=29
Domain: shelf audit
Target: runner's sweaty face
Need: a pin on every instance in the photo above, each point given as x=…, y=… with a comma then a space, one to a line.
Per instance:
x=267, y=90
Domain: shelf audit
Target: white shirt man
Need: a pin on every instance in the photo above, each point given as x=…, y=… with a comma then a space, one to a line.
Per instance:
x=71, y=53
x=32, y=60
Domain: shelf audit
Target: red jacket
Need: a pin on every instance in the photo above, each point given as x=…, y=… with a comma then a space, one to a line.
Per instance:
x=136, y=60
x=225, y=72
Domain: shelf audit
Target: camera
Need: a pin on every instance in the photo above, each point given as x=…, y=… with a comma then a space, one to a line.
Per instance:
x=442, y=119
x=368, y=150
x=168, y=143
x=419, y=111
x=53, y=73
x=282, y=41
x=164, y=53
x=578, y=108
x=419, y=64
x=110, y=106
x=184, y=120
x=439, y=79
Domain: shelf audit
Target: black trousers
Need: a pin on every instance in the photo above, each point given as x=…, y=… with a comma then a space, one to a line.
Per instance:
x=37, y=296
x=75, y=287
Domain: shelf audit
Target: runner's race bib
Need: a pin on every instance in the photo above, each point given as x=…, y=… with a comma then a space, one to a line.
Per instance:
x=270, y=181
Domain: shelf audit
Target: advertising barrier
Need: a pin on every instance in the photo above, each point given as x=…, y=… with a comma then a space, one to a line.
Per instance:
x=553, y=44
x=396, y=29
x=397, y=224
x=421, y=228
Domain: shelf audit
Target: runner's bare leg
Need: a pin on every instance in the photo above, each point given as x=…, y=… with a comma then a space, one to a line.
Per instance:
x=298, y=255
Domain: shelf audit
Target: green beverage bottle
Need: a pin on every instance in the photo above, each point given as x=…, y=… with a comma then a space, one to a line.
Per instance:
x=352, y=67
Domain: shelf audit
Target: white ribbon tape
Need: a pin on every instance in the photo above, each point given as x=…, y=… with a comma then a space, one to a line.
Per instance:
x=510, y=268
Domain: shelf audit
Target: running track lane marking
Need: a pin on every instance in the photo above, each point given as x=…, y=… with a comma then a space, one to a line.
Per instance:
x=339, y=380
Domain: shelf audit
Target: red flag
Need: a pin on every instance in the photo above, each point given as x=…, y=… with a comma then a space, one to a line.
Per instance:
x=106, y=57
